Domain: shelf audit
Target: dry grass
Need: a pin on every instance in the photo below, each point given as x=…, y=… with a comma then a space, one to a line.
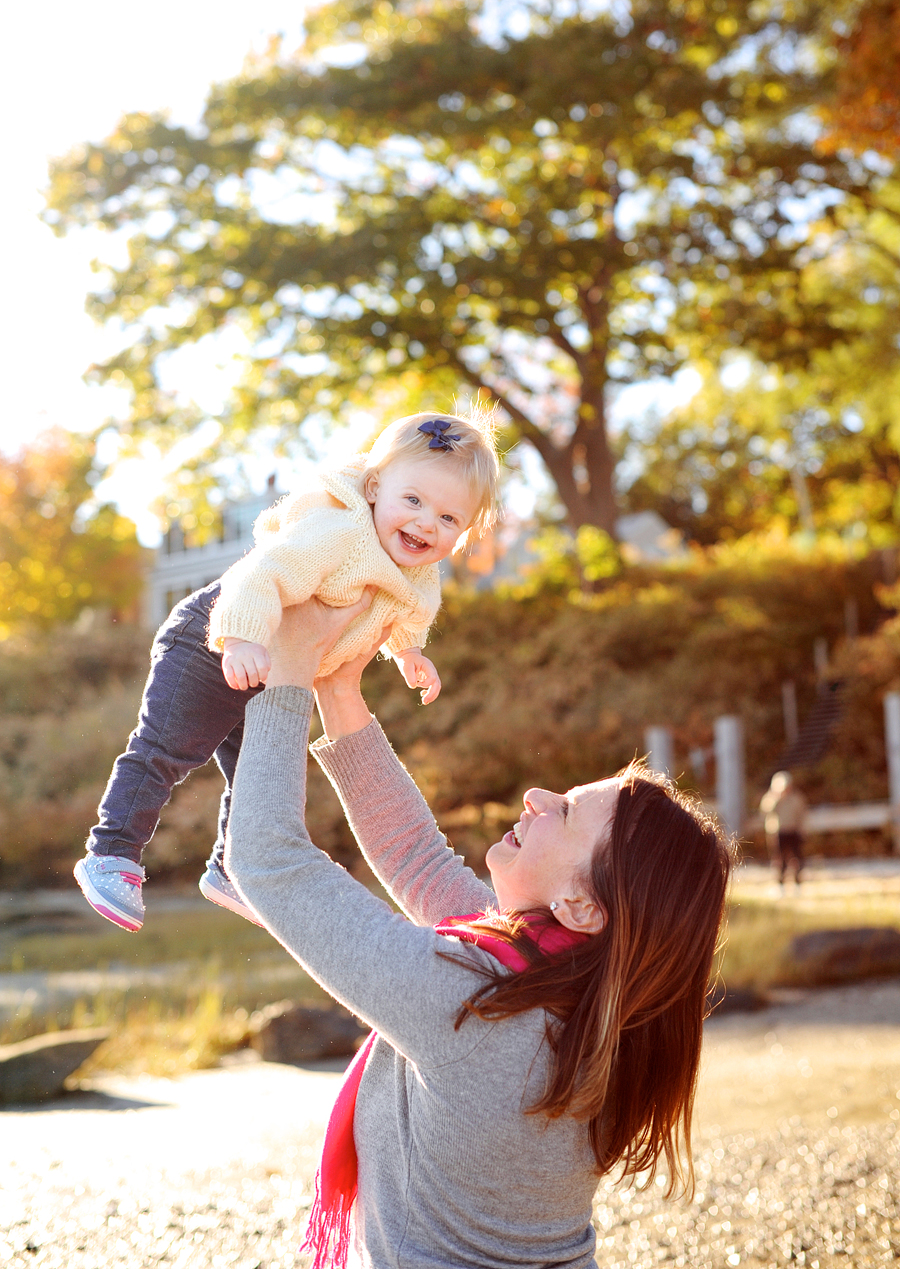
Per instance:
x=196, y=934
x=760, y=929
x=196, y=976
x=162, y=1038
x=156, y=1036
x=164, y=1031
x=184, y=1024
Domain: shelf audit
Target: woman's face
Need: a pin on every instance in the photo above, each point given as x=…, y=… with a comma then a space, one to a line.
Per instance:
x=543, y=858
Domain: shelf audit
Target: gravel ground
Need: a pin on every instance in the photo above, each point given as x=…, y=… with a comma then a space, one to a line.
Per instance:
x=798, y=1196
x=797, y=1155
x=212, y=1169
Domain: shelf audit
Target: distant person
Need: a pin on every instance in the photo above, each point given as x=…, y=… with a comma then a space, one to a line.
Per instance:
x=531, y=1036
x=385, y=520
x=784, y=807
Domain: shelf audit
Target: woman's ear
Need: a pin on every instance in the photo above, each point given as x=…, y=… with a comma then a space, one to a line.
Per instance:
x=580, y=915
x=370, y=486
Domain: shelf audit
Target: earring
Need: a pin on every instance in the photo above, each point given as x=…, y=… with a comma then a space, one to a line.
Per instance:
x=553, y=906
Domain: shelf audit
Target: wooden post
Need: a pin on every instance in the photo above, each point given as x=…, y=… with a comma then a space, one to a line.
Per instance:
x=659, y=750
x=698, y=764
x=892, y=747
x=729, y=747
x=851, y=618
x=801, y=493
x=789, y=709
x=820, y=657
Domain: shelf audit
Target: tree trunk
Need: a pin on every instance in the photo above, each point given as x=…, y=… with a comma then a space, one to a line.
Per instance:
x=583, y=469
x=582, y=473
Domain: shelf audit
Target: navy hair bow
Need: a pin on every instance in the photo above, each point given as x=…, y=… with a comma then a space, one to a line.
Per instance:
x=435, y=428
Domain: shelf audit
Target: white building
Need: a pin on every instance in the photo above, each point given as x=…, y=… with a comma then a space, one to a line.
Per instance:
x=179, y=570
x=645, y=537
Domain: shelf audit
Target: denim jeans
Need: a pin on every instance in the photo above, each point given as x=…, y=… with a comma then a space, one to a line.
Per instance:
x=188, y=715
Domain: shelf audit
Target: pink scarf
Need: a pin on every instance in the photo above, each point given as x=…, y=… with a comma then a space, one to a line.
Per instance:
x=328, y=1231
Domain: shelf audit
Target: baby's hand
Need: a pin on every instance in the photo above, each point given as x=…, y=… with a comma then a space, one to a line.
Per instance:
x=244, y=664
x=419, y=672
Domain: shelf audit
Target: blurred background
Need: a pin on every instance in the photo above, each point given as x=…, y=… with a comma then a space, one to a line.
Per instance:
x=661, y=237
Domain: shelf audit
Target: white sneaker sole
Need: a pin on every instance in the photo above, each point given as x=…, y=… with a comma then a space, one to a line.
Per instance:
x=209, y=891
x=102, y=904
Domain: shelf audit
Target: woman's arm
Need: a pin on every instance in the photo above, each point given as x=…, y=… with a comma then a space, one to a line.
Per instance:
x=389, y=817
x=384, y=968
x=379, y=965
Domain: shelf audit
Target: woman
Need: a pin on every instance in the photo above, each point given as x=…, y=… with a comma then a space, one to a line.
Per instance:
x=558, y=1041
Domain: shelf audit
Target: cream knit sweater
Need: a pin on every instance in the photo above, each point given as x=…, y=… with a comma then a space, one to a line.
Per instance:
x=323, y=542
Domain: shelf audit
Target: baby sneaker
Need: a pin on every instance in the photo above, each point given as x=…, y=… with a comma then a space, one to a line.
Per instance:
x=218, y=888
x=112, y=886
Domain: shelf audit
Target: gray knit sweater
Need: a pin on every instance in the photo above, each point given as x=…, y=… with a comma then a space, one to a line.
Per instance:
x=453, y=1174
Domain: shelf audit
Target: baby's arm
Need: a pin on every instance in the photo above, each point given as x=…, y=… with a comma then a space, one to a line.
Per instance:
x=244, y=664
x=419, y=672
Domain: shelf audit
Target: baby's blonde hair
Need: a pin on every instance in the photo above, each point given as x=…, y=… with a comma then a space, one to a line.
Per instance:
x=472, y=452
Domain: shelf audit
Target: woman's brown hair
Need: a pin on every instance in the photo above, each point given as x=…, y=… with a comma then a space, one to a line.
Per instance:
x=627, y=1006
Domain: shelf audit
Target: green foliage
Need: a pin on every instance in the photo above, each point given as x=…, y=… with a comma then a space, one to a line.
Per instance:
x=581, y=203
x=57, y=557
x=567, y=564
x=778, y=455
x=597, y=553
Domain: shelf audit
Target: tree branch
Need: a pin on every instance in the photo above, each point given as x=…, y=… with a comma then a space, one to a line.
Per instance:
x=558, y=336
x=529, y=430
x=873, y=244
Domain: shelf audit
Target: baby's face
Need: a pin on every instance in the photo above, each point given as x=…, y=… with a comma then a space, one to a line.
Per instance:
x=420, y=508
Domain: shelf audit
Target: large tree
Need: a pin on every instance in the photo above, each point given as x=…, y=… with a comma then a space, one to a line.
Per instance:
x=541, y=213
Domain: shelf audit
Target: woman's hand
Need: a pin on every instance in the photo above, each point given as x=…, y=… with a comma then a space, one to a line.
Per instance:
x=339, y=697
x=307, y=632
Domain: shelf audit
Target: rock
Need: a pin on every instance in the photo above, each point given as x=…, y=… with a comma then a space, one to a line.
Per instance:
x=286, y=1032
x=724, y=999
x=839, y=956
x=37, y=1069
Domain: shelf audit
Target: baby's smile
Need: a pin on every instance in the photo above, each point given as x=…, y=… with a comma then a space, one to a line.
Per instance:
x=412, y=543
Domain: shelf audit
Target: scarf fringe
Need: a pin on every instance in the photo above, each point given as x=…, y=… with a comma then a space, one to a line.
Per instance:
x=328, y=1231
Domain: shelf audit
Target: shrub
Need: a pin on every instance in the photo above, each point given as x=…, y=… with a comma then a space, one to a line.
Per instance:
x=68, y=700
x=552, y=688
x=549, y=685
